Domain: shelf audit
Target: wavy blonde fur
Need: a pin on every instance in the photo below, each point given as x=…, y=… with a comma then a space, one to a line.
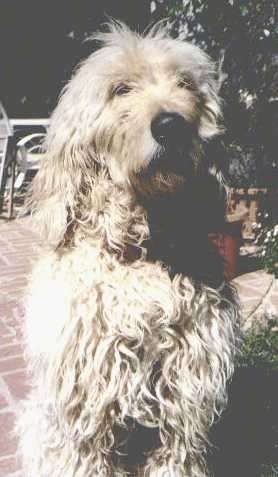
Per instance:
x=110, y=335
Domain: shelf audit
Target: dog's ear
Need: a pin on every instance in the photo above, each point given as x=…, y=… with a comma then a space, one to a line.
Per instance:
x=51, y=198
x=210, y=122
x=70, y=164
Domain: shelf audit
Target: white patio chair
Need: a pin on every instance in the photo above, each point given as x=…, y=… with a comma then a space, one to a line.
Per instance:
x=29, y=156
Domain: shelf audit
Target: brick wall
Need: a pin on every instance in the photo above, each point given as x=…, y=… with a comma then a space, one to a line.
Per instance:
x=254, y=201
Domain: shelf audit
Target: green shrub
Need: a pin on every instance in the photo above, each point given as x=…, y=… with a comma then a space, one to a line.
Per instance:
x=260, y=349
x=270, y=251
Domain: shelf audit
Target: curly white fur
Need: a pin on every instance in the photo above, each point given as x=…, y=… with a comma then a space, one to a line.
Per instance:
x=109, y=337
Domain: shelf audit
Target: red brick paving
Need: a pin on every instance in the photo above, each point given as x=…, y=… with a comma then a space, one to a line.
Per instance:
x=17, y=249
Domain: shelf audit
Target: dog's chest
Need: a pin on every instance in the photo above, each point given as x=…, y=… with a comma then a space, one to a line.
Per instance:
x=182, y=244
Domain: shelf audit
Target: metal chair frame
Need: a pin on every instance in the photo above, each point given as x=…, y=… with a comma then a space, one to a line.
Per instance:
x=7, y=159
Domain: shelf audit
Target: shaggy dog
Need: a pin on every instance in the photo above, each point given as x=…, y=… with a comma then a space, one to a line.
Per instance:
x=129, y=322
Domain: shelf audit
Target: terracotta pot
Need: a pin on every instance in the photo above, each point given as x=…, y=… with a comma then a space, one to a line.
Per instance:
x=228, y=242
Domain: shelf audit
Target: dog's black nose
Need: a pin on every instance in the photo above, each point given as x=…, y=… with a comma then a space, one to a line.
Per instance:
x=169, y=128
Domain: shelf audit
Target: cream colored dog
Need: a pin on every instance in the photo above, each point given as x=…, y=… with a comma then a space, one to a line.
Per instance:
x=129, y=323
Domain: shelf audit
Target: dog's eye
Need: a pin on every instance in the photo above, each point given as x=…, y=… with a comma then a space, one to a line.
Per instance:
x=187, y=83
x=121, y=89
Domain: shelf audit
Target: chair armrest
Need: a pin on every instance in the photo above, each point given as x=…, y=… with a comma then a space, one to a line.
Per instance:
x=23, y=141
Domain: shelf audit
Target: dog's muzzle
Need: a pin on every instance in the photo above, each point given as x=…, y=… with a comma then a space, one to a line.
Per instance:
x=174, y=136
x=171, y=129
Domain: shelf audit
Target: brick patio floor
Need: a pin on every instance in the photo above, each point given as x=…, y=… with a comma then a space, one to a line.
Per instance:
x=18, y=248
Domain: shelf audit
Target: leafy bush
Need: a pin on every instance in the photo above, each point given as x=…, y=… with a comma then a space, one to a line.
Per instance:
x=260, y=349
x=270, y=251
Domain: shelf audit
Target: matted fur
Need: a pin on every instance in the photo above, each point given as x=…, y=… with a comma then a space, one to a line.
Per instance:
x=110, y=334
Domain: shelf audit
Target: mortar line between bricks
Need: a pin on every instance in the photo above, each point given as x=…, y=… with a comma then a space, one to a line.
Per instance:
x=14, y=371
x=4, y=388
x=9, y=335
x=9, y=456
x=6, y=345
x=6, y=358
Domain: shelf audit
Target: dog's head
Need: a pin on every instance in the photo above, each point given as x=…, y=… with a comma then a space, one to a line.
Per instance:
x=136, y=110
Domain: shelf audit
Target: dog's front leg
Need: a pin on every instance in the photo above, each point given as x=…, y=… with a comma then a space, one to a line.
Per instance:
x=66, y=425
x=173, y=461
x=196, y=362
